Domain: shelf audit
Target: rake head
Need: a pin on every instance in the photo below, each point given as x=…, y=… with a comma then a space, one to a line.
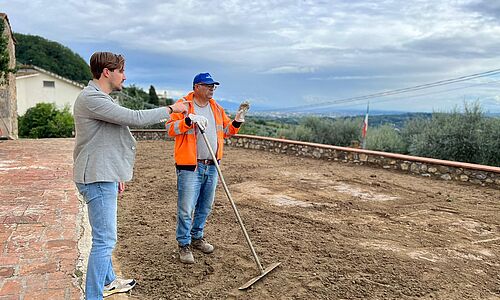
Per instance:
x=257, y=278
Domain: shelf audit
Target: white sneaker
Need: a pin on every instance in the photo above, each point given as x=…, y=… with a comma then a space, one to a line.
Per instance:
x=118, y=286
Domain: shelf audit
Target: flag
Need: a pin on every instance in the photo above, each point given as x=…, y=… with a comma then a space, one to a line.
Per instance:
x=365, y=126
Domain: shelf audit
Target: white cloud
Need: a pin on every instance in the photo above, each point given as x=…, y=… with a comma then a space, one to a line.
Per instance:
x=289, y=70
x=383, y=44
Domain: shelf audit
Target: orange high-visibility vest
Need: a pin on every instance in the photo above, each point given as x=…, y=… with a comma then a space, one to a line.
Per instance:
x=185, y=136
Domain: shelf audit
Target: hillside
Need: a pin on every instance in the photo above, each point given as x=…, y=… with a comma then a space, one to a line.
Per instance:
x=51, y=56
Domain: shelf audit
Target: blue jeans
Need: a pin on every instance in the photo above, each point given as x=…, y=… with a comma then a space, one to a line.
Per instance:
x=101, y=198
x=196, y=193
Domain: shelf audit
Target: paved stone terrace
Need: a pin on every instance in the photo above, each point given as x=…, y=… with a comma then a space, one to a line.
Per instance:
x=39, y=221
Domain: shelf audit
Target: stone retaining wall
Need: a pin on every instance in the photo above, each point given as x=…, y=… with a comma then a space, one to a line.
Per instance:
x=427, y=167
x=150, y=134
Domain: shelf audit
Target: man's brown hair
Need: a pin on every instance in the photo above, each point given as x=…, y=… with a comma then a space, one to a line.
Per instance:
x=105, y=60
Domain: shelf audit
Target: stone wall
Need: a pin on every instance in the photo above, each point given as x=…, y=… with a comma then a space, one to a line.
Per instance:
x=150, y=134
x=427, y=167
x=8, y=100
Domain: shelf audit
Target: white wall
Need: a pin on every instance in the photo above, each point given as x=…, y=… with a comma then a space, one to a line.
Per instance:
x=30, y=91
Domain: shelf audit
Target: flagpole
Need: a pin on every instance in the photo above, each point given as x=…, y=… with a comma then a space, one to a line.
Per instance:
x=365, y=125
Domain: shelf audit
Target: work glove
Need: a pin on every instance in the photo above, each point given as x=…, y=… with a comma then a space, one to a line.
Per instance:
x=200, y=120
x=242, y=111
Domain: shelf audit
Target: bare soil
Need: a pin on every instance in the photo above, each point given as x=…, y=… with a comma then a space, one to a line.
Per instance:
x=340, y=231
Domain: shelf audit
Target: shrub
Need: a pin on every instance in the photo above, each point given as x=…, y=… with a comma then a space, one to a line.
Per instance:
x=297, y=133
x=467, y=137
x=46, y=121
x=385, y=138
x=342, y=132
x=489, y=142
x=339, y=132
x=261, y=126
x=412, y=128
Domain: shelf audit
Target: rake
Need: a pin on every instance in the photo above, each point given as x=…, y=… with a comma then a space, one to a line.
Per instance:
x=263, y=272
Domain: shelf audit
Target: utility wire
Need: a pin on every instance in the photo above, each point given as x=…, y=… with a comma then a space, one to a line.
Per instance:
x=393, y=92
x=432, y=93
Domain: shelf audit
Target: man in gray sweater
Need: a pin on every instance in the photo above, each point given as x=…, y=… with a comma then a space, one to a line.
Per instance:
x=103, y=160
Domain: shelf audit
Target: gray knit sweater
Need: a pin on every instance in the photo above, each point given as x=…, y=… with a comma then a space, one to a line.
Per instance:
x=105, y=148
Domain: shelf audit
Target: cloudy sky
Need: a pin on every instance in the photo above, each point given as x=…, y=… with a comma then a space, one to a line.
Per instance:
x=285, y=54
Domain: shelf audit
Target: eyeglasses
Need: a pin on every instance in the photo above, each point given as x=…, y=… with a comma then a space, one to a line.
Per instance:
x=208, y=86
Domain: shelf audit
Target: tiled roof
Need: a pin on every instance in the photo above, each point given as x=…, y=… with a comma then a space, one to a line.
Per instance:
x=27, y=70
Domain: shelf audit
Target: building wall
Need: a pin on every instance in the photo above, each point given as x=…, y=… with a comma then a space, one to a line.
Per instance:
x=8, y=107
x=31, y=90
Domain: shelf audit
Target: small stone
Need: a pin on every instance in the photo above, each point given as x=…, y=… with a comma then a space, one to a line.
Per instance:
x=481, y=176
x=446, y=177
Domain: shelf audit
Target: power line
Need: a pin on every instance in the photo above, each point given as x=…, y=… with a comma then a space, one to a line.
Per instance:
x=396, y=91
x=436, y=92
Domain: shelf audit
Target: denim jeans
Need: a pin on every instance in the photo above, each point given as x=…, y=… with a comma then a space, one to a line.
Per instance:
x=196, y=193
x=101, y=198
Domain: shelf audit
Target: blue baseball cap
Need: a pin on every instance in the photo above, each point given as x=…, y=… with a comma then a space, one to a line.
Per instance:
x=204, y=78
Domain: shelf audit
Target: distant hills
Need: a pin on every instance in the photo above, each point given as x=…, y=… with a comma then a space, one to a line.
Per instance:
x=331, y=112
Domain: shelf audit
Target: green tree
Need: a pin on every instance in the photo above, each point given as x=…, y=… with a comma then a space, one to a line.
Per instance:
x=452, y=136
x=46, y=121
x=153, y=97
x=489, y=142
x=298, y=133
x=468, y=136
x=169, y=101
x=133, y=97
x=51, y=56
x=344, y=131
x=4, y=54
x=412, y=128
x=339, y=132
x=262, y=126
x=385, y=138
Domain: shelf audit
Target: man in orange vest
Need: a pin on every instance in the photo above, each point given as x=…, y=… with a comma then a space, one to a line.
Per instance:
x=196, y=172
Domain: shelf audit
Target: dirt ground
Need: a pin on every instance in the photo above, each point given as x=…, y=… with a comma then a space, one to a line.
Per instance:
x=340, y=231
